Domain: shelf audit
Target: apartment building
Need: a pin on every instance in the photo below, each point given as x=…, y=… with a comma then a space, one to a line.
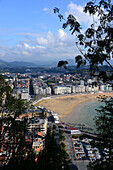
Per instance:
x=22, y=93
x=38, y=125
x=41, y=90
x=62, y=90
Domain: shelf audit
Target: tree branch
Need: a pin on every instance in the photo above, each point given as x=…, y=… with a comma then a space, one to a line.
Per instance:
x=108, y=63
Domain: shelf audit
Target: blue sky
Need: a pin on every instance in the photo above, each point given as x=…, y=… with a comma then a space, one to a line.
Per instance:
x=30, y=31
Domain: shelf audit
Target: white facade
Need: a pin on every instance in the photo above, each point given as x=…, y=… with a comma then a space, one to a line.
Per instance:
x=75, y=132
x=62, y=90
x=102, y=87
x=56, y=117
x=82, y=82
x=80, y=89
x=21, y=93
x=48, y=90
x=39, y=126
x=25, y=96
x=92, y=89
x=41, y=90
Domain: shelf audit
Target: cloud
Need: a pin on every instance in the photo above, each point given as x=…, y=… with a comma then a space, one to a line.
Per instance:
x=47, y=46
x=27, y=46
x=62, y=35
x=42, y=41
x=84, y=18
x=47, y=10
x=50, y=46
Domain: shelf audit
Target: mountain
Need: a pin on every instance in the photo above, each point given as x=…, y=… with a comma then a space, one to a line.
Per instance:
x=54, y=63
x=14, y=64
x=71, y=62
x=49, y=63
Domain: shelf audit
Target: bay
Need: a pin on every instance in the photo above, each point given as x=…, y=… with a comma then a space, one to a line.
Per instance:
x=84, y=113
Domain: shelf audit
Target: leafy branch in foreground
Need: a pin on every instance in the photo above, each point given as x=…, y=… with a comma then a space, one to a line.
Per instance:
x=96, y=43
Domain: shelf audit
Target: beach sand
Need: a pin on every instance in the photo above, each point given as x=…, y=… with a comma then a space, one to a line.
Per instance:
x=65, y=105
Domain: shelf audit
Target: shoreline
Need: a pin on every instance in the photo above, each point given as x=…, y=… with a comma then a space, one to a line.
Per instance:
x=77, y=106
x=64, y=105
x=77, y=116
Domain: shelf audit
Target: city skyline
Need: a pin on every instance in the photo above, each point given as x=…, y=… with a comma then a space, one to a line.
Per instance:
x=30, y=31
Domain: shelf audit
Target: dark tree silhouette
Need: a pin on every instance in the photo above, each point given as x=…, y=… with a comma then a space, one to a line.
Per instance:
x=53, y=156
x=104, y=126
x=12, y=131
x=96, y=43
x=96, y=46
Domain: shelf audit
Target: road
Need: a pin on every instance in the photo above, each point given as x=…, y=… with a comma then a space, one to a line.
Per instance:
x=81, y=164
x=70, y=150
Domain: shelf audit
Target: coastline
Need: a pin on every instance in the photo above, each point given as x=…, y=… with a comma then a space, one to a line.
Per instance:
x=83, y=113
x=64, y=105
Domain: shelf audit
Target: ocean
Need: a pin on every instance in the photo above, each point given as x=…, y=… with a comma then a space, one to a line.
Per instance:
x=84, y=113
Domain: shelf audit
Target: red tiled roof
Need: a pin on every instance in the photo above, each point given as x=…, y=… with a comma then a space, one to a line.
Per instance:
x=28, y=140
x=37, y=149
x=2, y=128
x=23, y=115
x=1, y=150
x=40, y=133
x=36, y=159
x=71, y=128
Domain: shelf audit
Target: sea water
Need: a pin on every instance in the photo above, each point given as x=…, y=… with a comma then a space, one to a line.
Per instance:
x=84, y=113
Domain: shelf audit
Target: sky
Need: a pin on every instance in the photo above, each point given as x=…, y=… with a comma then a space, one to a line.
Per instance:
x=30, y=31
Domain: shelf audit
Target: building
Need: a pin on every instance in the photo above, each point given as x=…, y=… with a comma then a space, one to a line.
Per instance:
x=74, y=131
x=38, y=125
x=62, y=90
x=41, y=90
x=37, y=146
x=55, y=117
x=21, y=93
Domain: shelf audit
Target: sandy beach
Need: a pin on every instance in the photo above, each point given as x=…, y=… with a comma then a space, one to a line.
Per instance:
x=65, y=105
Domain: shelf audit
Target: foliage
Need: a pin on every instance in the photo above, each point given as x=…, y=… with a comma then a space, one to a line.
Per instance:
x=96, y=43
x=54, y=127
x=96, y=47
x=10, y=109
x=23, y=163
x=61, y=132
x=60, y=126
x=62, y=138
x=104, y=126
x=53, y=156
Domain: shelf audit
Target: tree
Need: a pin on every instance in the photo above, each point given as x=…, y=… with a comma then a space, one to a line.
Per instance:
x=104, y=126
x=96, y=43
x=12, y=131
x=54, y=127
x=96, y=46
x=53, y=156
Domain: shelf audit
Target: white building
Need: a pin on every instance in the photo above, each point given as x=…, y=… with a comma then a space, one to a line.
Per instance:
x=22, y=93
x=41, y=90
x=80, y=89
x=55, y=116
x=62, y=90
x=82, y=82
x=38, y=125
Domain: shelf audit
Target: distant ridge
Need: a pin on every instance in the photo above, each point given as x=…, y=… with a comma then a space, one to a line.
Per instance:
x=48, y=63
x=14, y=64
